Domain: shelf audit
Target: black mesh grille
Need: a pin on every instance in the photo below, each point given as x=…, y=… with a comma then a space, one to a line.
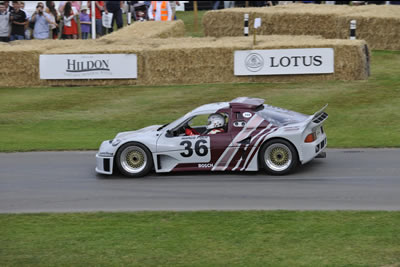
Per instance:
x=320, y=118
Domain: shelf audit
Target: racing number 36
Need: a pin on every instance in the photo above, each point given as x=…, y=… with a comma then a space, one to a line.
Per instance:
x=200, y=148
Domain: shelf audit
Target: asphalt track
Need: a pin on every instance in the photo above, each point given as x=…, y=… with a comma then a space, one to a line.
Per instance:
x=364, y=179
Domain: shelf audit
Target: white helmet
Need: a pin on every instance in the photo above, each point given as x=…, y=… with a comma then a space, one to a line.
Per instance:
x=215, y=120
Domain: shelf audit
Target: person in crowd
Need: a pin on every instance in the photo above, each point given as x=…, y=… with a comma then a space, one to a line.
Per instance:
x=19, y=20
x=9, y=8
x=52, y=12
x=70, y=30
x=229, y=4
x=131, y=9
x=114, y=7
x=99, y=8
x=160, y=11
x=216, y=5
x=85, y=22
x=4, y=23
x=173, y=5
x=28, y=33
x=42, y=20
x=61, y=6
x=76, y=6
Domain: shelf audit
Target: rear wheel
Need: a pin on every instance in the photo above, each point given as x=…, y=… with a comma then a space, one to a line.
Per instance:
x=134, y=160
x=278, y=157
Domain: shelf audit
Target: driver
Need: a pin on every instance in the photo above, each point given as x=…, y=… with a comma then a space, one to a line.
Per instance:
x=190, y=131
x=216, y=123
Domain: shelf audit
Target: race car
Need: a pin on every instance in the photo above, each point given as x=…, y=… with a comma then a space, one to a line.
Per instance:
x=241, y=135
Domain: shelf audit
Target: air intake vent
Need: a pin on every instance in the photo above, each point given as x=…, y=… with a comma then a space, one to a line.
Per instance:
x=106, y=165
x=323, y=116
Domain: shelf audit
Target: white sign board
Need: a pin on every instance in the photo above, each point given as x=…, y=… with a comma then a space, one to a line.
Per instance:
x=88, y=66
x=284, y=61
x=257, y=23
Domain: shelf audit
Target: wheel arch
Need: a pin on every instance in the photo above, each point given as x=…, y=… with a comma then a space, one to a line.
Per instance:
x=115, y=168
x=273, y=139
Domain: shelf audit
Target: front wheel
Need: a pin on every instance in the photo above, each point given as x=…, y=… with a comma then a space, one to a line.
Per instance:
x=278, y=157
x=134, y=160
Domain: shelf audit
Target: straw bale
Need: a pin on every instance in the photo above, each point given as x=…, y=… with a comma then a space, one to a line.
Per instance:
x=20, y=59
x=179, y=60
x=378, y=25
x=147, y=29
x=23, y=56
x=19, y=68
x=210, y=60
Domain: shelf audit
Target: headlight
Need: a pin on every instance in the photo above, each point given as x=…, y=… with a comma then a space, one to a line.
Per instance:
x=115, y=142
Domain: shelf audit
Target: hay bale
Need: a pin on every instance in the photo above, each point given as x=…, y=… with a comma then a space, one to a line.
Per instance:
x=20, y=59
x=178, y=60
x=147, y=29
x=23, y=56
x=210, y=60
x=19, y=67
x=378, y=25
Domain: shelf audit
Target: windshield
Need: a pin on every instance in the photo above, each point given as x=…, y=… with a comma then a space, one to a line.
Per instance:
x=280, y=116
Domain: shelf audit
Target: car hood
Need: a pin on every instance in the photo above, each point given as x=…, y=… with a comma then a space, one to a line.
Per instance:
x=146, y=130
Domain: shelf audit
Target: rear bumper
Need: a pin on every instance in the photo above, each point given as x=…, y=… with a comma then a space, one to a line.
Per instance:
x=312, y=150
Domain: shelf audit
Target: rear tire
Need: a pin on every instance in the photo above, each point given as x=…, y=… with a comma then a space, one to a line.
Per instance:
x=134, y=160
x=278, y=157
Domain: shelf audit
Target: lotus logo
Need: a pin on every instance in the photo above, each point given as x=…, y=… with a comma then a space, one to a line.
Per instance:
x=254, y=62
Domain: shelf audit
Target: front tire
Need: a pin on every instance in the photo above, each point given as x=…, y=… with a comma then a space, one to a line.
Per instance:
x=278, y=157
x=134, y=160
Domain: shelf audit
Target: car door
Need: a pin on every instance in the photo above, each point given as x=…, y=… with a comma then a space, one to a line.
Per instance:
x=245, y=128
x=176, y=151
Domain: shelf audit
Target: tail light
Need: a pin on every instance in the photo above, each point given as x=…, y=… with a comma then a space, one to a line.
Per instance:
x=310, y=138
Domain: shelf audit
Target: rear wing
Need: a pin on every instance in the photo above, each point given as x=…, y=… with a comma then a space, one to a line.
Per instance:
x=319, y=117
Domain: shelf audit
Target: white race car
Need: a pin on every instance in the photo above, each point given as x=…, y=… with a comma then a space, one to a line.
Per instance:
x=241, y=135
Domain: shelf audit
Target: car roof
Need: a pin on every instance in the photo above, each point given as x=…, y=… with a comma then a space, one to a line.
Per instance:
x=246, y=103
x=239, y=103
x=210, y=108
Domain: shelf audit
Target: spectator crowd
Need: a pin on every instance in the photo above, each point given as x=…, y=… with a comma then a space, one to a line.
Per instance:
x=230, y=4
x=72, y=20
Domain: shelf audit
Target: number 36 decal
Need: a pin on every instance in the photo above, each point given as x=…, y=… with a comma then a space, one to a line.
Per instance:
x=200, y=148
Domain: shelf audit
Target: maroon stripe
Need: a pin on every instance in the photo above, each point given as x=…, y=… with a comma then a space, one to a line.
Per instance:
x=263, y=135
x=236, y=158
x=258, y=147
x=241, y=135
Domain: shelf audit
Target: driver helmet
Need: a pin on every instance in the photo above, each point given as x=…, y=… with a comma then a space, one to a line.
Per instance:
x=215, y=120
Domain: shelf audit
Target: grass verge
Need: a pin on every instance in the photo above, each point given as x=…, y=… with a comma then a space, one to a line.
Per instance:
x=362, y=113
x=250, y=238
